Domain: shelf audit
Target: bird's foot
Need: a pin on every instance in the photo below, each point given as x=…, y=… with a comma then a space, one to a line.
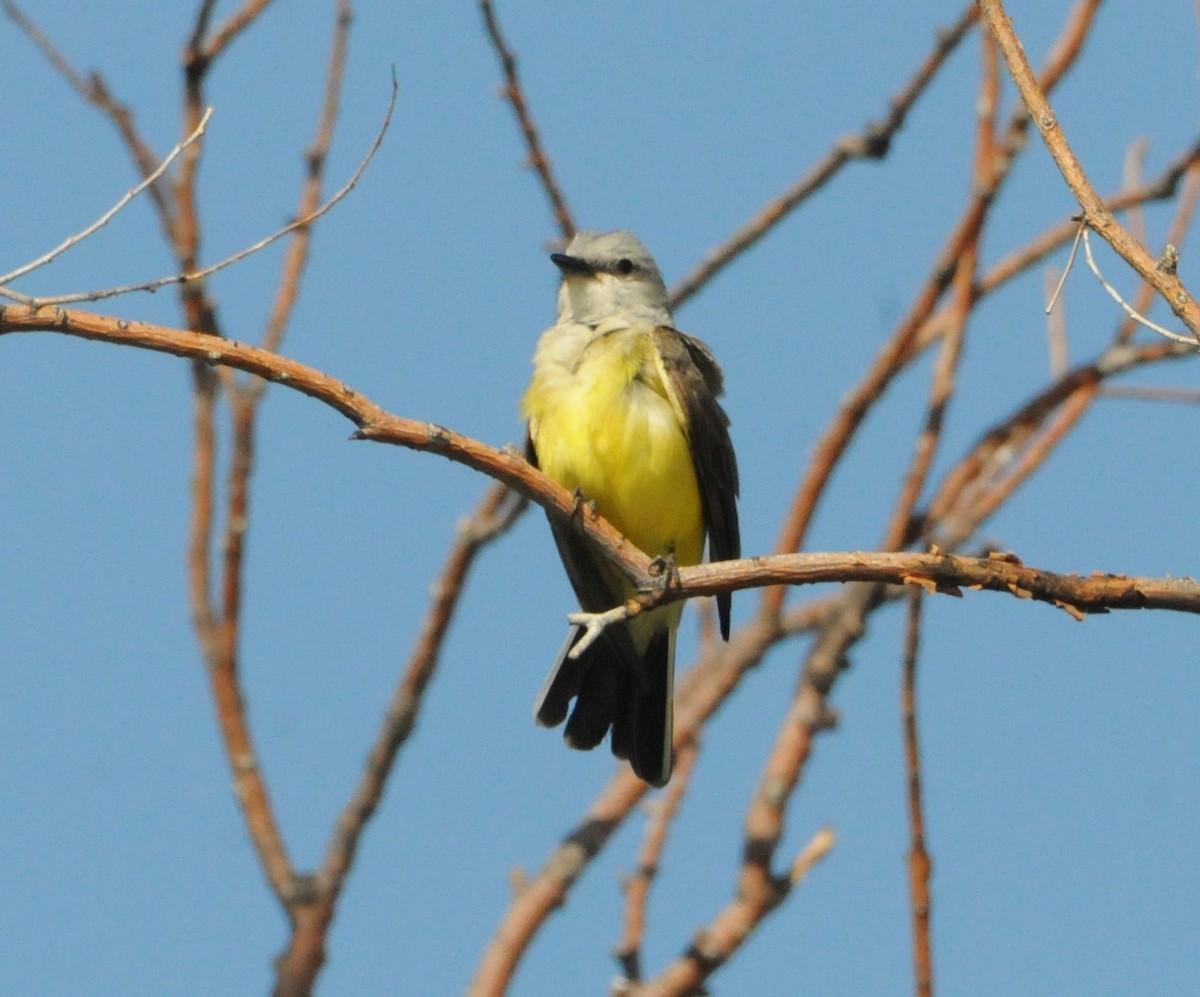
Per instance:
x=581, y=501
x=664, y=569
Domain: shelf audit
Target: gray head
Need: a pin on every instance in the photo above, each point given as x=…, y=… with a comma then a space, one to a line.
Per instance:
x=610, y=275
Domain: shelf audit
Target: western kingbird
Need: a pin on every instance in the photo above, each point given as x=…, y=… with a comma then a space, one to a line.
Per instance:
x=623, y=410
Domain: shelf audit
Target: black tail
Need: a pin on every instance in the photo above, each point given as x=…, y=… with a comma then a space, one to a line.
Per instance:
x=653, y=723
x=615, y=687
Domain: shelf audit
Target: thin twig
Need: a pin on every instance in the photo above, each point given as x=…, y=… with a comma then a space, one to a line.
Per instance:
x=1192, y=340
x=306, y=949
x=200, y=26
x=945, y=368
x=515, y=95
x=873, y=142
x=296, y=969
x=955, y=513
x=1058, y=286
x=637, y=887
x=899, y=350
x=95, y=92
x=234, y=25
x=1149, y=393
x=1165, y=186
x=1056, y=322
x=919, y=866
x=1177, y=233
x=714, y=945
x=250, y=787
x=198, y=307
x=192, y=277
x=104, y=219
x=1133, y=171
x=315, y=159
x=217, y=628
x=1096, y=593
x=1099, y=218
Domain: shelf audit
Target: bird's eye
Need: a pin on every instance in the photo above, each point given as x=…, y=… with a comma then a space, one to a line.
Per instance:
x=624, y=265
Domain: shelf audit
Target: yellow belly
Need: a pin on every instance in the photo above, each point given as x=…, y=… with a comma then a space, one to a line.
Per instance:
x=608, y=430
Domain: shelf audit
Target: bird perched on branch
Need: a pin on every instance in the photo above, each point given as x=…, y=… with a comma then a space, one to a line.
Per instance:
x=622, y=409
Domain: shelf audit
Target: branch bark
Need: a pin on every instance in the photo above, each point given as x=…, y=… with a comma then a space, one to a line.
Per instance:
x=1095, y=211
x=936, y=571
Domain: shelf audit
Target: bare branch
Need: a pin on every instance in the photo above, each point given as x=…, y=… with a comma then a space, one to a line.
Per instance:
x=945, y=572
x=1133, y=174
x=1095, y=211
x=515, y=95
x=919, y=866
x=1192, y=340
x=1148, y=393
x=103, y=220
x=200, y=27
x=1177, y=233
x=945, y=369
x=1056, y=322
x=234, y=25
x=1058, y=286
x=900, y=348
x=297, y=253
x=306, y=950
x=873, y=142
x=95, y=91
x=192, y=277
x=959, y=505
x=637, y=886
x=713, y=946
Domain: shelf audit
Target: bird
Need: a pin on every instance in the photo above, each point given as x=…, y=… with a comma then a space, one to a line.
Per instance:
x=622, y=410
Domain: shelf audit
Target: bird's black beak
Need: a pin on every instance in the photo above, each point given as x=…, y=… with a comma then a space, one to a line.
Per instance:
x=571, y=264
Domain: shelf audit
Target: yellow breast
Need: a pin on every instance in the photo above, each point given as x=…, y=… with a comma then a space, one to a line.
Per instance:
x=602, y=423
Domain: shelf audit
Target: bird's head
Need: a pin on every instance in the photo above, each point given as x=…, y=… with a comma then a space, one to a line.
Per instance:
x=610, y=275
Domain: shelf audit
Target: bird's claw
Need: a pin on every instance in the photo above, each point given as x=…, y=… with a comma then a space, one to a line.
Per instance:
x=665, y=569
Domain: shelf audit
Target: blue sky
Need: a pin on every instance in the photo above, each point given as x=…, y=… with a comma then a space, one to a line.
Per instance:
x=1061, y=759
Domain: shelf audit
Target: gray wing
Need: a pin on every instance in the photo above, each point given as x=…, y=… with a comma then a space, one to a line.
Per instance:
x=696, y=381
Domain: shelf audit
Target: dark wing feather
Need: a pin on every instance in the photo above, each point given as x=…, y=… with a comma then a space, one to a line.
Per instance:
x=650, y=751
x=696, y=381
x=607, y=673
